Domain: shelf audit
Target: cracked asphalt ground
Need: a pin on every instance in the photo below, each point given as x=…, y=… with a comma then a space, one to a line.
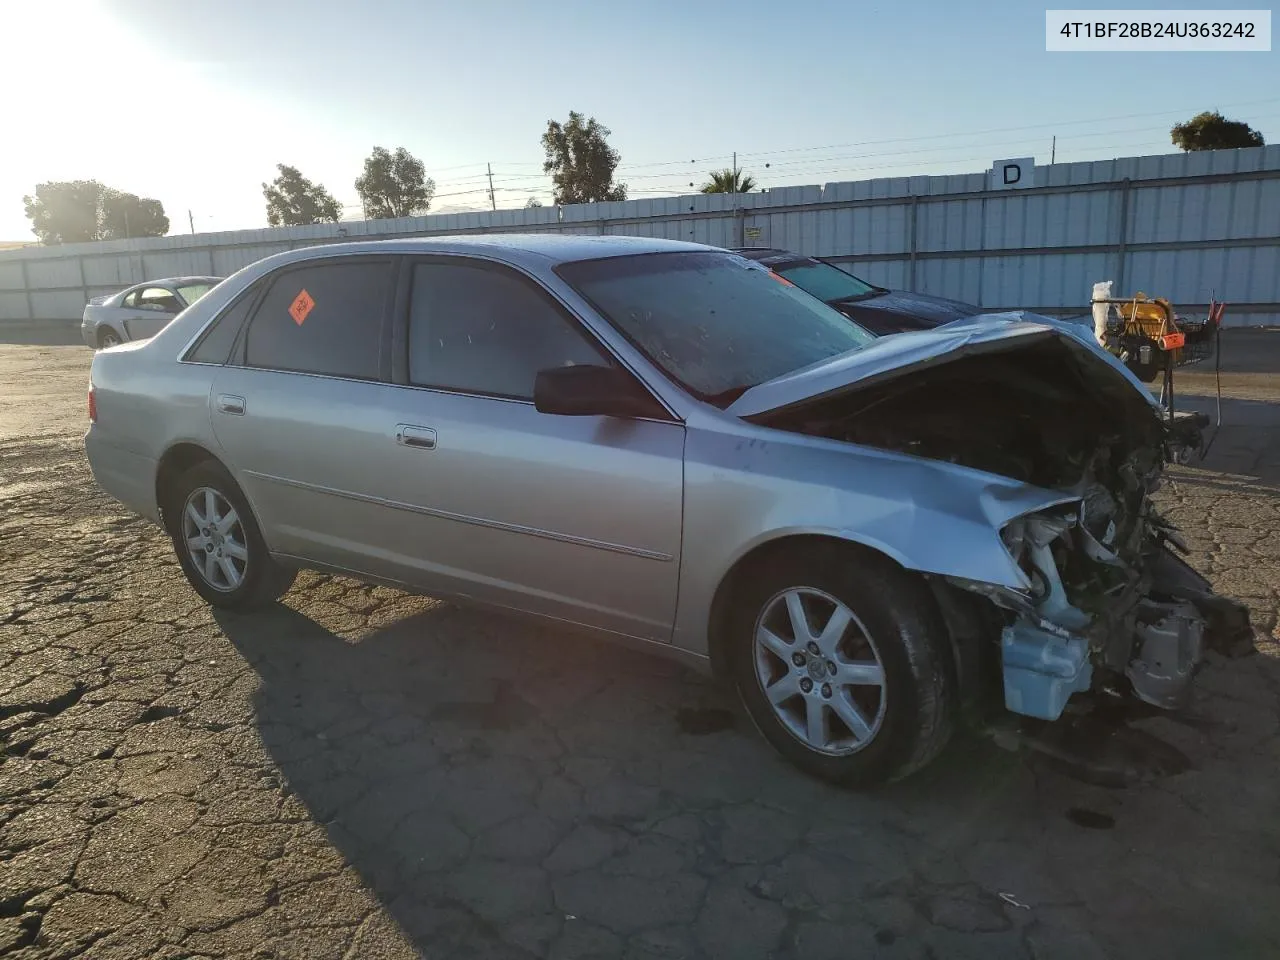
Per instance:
x=364, y=773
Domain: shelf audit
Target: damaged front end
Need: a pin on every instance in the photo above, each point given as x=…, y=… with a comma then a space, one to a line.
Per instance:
x=1102, y=615
x=1104, y=604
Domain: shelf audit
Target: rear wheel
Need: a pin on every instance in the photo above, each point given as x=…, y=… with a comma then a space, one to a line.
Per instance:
x=843, y=663
x=218, y=542
x=108, y=338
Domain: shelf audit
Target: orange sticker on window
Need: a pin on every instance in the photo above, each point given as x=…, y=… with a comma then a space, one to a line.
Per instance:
x=300, y=307
x=781, y=279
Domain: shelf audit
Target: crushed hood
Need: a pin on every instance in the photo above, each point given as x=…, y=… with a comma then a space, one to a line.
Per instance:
x=914, y=352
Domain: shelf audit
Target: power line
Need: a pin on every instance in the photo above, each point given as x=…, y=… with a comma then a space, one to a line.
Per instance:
x=1034, y=126
x=998, y=143
x=624, y=167
x=885, y=166
x=627, y=171
x=623, y=170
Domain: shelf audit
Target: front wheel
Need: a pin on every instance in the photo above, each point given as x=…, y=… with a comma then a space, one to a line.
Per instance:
x=843, y=663
x=218, y=542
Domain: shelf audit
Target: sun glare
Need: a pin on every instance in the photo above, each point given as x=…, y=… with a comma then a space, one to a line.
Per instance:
x=76, y=74
x=96, y=100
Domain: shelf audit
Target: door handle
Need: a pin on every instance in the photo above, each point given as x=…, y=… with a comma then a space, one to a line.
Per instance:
x=229, y=403
x=410, y=435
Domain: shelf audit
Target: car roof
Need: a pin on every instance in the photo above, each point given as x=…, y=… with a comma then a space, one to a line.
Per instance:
x=175, y=282
x=527, y=248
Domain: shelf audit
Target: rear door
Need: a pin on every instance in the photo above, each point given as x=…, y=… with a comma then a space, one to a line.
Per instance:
x=303, y=410
x=573, y=517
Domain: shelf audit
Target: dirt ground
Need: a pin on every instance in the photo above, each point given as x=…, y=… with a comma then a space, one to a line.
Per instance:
x=362, y=773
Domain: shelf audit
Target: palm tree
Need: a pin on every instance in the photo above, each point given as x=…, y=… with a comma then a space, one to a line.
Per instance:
x=729, y=181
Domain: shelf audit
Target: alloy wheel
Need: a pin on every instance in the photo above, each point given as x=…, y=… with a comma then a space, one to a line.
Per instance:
x=215, y=539
x=820, y=671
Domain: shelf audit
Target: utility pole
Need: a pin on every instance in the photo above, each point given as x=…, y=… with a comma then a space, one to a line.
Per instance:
x=191, y=220
x=493, y=200
x=1053, y=151
x=735, y=171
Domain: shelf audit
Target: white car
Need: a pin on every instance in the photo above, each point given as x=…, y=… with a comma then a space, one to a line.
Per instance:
x=141, y=311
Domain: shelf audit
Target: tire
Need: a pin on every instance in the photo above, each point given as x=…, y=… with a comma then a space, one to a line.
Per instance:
x=904, y=711
x=108, y=338
x=244, y=576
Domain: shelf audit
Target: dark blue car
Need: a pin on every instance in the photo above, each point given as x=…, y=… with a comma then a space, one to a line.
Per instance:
x=877, y=309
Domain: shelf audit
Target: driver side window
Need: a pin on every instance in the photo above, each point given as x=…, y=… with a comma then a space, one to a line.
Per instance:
x=485, y=330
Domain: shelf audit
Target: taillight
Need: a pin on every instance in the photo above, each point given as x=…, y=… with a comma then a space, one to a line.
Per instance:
x=93, y=406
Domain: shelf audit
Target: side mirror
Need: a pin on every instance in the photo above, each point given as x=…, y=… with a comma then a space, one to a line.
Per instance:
x=592, y=391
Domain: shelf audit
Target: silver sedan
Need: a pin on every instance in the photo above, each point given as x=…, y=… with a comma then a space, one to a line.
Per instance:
x=666, y=445
x=140, y=311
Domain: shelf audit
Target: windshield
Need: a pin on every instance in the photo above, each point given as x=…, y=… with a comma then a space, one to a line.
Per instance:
x=194, y=291
x=823, y=280
x=716, y=323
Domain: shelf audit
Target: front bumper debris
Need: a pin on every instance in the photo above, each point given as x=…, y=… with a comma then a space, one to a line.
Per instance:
x=1145, y=636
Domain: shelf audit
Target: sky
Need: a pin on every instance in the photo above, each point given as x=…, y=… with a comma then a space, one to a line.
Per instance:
x=194, y=102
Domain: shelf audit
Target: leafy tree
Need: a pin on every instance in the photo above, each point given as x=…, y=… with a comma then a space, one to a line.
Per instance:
x=533, y=203
x=729, y=181
x=293, y=200
x=580, y=161
x=65, y=212
x=1213, y=131
x=127, y=215
x=79, y=211
x=394, y=185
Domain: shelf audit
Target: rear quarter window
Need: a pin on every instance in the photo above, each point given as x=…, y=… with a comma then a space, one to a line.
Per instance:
x=214, y=345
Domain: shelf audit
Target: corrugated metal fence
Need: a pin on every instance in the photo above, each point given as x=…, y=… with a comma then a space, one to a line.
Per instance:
x=1183, y=226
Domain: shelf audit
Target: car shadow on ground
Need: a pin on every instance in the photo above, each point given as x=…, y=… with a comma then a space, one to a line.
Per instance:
x=493, y=781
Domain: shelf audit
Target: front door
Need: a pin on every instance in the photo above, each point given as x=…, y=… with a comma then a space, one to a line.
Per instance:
x=150, y=311
x=574, y=517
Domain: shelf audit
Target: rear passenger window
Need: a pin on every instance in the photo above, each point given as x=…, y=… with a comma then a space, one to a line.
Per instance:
x=215, y=344
x=479, y=329
x=326, y=318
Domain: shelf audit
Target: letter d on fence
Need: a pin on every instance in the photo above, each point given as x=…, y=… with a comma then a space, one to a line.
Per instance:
x=1016, y=174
